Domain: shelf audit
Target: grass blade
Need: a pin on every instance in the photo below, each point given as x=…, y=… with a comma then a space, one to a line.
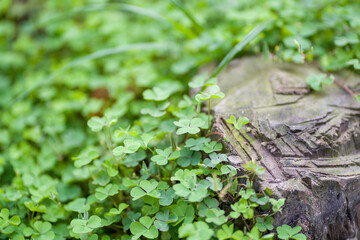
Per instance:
x=238, y=47
x=108, y=6
x=92, y=56
x=183, y=8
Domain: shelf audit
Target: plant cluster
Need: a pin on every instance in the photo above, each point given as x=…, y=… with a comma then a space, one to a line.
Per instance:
x=143, y=166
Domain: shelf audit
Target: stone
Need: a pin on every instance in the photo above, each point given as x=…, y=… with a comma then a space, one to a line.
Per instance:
x=308, y=141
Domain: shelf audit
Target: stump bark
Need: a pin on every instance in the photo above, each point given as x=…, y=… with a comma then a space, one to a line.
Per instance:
x=308, y=142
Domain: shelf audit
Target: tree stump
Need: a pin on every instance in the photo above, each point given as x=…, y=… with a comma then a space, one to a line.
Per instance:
x=308, y=142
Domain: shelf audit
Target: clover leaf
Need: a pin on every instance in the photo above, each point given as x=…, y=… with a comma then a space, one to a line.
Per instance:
x=85, y=157
x=191, y=190
x=96, y=124
x=156, y=94
x=207, y=204
x=188, y=157
x=103, y=192
x=264, y=224
x=253, y=167
x=119, y=210
x=211, y=92
x=350, y=38
x=162, y=220
x=166, y=197
x=85, y=226
x=355, y=63
x=155, y=110
x=244, y=208
x=41, y=231
x=130, y=146
x=145, y=188
x=150, y=207
x=163, y=156
x=184, y=212
x=317, y=80
x=191, y=126
x=213, y=146
x=198, y=81
x=8, y=225
x=216, y=216
x=227, y=232
x=195, y=231
x=286, y=232
x=144, y=228
x=238, y=123
x=214, y=159
x=228, y=169
x=197, y=144
x=277, y=204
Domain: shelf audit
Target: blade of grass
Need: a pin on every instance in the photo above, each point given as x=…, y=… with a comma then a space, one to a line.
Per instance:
x=238, y=47
x=187, y=13
x=108, y=6
x=92, y=56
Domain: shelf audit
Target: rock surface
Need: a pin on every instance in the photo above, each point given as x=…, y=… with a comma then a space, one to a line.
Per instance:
x=308, y=142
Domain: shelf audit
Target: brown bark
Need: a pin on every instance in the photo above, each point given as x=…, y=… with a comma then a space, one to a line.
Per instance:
x=308, y=142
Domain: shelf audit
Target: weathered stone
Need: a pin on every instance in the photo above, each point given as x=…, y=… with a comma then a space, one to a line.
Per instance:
x=308, y=142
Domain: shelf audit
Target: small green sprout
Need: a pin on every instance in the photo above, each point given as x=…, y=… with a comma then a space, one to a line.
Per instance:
x=238, y=123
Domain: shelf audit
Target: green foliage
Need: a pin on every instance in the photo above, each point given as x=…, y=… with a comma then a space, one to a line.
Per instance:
x=317, y=80
x=238, y=123
x=98, y=136
x=286, y=232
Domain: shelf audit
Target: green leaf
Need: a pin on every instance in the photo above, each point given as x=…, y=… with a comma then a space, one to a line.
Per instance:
x=239, y=123
x=197, y=144
x=253, y=167
x=286, y=232
x=156, y=94
x=213, y=146
x=166, y=197
x=144, y=228
x=86, y=226
x=103, y=192
x=215, y=216
x=188, y=157
x=357, y=97
x=264, y=225
x=145, y=188
x=355, y=63
x=238, y=47
x=119, y=210
x=162, y=220
x=4, y=214
x=227, y=232
x=184, y=212
x=215, y=159
x=96, y=124
x=94, y=222
x=130, y=146
x=277, y=204
x=194, y=231
x=85, y=157
x=162, y=157
x=42, y=227
x=189, y=126
x=317, y=80
x=15, y=220
x=212, y=91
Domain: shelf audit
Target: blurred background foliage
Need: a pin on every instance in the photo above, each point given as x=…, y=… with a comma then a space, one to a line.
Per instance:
x=62, y=62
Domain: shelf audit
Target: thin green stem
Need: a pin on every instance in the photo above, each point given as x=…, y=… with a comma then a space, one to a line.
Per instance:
x=209, y=116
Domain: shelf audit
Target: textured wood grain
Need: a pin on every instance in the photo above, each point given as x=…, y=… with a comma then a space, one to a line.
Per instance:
x=308, y=142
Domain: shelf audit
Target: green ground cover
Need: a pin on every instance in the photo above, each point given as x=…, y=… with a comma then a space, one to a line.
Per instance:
x=98, y=136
